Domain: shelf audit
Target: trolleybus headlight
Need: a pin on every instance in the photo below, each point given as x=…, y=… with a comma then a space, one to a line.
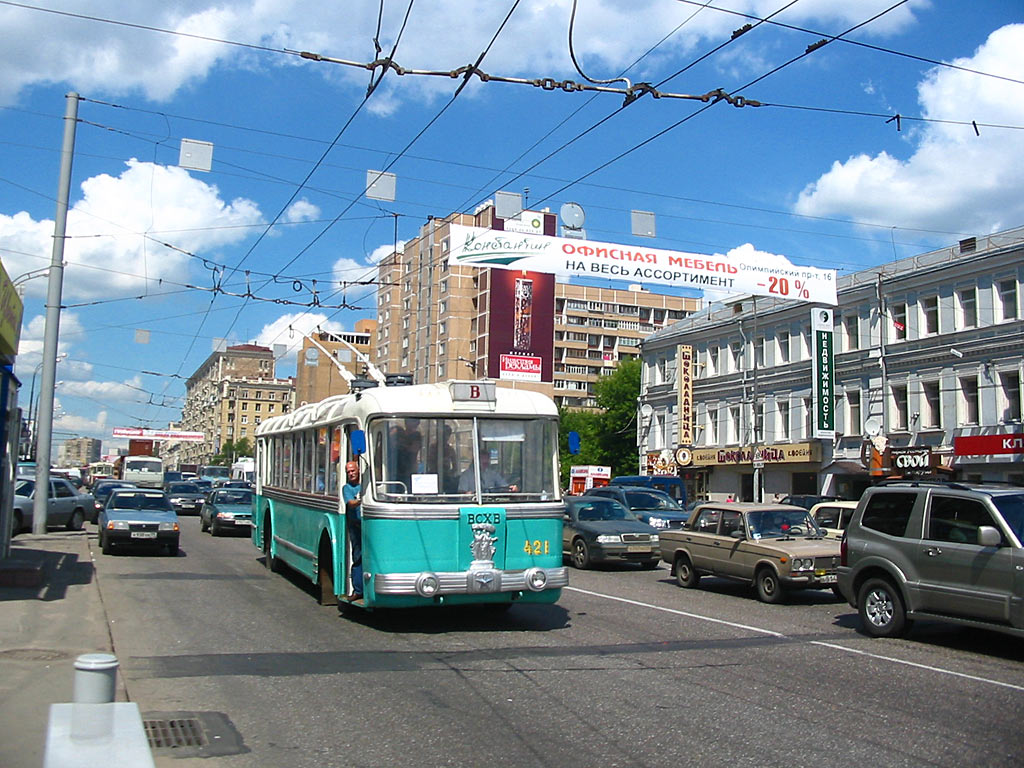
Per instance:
x=427, y=584
x=536, y=579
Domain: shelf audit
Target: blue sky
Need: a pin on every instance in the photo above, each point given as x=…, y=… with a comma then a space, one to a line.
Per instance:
x=817, y=175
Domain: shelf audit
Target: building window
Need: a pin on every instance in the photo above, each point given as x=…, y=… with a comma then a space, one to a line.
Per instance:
x=851, y=332
x=1007, y=303
x=442, y=307
x=442, y=329
x=712, y=361
x=245, y=419
x=245, y=405
x=259, y=406
x=808, y=416
x=735, y=426
x=712, y=426
x=735, y=356
x=931, y=405
x=967, y=307
x=783, y=341
x=1009, y=396
x=930, y=315
x=806, y=352
x=759, y=345
x=901, y=417
x=783, y=420
x=853, y=412
x=967, y=405
x=898, y=313
x=759, y=422
x=443, y=285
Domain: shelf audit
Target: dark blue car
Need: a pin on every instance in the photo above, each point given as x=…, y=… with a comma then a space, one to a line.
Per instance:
x=651, y=506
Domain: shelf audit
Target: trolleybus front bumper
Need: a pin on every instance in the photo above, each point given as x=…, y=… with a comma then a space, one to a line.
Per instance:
x=476, y=581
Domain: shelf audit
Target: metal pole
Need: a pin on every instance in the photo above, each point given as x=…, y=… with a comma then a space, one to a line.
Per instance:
x=54, y=291
x=757, y=478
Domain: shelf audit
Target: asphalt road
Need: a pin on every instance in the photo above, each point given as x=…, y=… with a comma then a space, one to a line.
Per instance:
x=626, y=670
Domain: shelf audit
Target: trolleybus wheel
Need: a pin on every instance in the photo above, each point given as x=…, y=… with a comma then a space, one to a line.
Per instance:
x=325, y=574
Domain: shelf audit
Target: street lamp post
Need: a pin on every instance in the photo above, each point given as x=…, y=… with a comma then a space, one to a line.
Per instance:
x=55, y=287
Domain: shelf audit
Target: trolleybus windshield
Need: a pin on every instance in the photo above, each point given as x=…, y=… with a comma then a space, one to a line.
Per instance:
x=435, y=460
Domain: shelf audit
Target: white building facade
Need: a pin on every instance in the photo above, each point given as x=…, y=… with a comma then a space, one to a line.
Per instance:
x=927, y=362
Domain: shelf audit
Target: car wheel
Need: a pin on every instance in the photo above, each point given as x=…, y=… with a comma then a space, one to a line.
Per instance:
x=769, y=589
x=214, y=529
x=105, y=544
x=837, y=593
x=881, y=609
x=686, y=576
x=203, y=524
x=580, y=554
x=16, y=523
x=76, y=520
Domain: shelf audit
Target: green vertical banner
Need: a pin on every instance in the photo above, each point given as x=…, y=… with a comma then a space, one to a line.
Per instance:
x=823, y=363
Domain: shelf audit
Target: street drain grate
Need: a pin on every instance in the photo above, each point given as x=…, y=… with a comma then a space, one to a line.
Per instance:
x=192, y=734
x=172, y=734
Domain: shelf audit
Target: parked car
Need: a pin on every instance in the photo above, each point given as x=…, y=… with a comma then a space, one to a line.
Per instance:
x=651, y=506
x=596, y=529
x=101, y=492
x=66, y=505
x=186, y=498
x=833, y=516
x=142, y=516
x=806, y=500
x=227, y=509
x=936, y=550
x=773, y=547
x=670, y=484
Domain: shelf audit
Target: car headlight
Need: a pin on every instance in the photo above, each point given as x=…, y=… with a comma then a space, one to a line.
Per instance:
x=654, y=538
x=657, y=522
x=609, y=538
x=176, y=500
x=802, y=564
x=226, y=515
x=117, y=525
x=536, y=579
x=168, y=526
x=427, y=584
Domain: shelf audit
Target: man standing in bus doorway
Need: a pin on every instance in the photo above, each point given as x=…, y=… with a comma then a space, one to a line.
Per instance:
x=350, y=492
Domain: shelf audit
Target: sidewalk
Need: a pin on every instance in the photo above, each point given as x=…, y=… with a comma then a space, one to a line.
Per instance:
x=50, y=613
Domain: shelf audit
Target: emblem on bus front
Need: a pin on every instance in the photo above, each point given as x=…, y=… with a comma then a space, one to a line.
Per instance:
x=483, y=544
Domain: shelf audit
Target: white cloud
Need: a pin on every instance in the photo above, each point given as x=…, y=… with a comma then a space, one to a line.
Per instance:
x=84, y=426
x=383, y=251
x=117, y=391
x=30, y=345
x=103, y=58
x=288, y=330
x=301, y=210
x=954, y=179
x=106, y=252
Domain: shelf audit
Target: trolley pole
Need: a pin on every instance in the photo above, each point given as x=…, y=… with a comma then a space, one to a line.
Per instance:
x=55, y=289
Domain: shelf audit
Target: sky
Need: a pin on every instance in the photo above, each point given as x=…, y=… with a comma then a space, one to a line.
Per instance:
x=164, y=263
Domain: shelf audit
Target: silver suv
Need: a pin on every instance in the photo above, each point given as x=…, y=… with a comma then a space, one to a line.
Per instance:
x=936, y=550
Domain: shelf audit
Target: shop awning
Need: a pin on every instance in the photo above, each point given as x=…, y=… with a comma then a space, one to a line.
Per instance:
x=844, y=467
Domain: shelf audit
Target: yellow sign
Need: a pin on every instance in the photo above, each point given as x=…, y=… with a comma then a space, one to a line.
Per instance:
x=684, y=377
x=10, y=315
x=784, y=453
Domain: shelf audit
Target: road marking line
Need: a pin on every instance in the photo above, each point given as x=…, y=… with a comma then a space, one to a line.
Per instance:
x=677, y=612
x=761, y=631
x=919, y=666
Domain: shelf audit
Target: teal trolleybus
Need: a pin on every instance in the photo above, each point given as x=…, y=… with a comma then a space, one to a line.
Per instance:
x=459, y=489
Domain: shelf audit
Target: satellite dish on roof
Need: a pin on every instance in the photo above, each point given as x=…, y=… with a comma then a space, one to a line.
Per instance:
x=646, y=410
x=873, y=426
x=572, y=216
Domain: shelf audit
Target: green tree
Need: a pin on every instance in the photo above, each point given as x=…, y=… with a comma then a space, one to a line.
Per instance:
x=608, y=436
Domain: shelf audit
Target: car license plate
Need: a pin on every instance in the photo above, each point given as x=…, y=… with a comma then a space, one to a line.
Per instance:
x=828, y=578
x=143, y=534
x=638, y=548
